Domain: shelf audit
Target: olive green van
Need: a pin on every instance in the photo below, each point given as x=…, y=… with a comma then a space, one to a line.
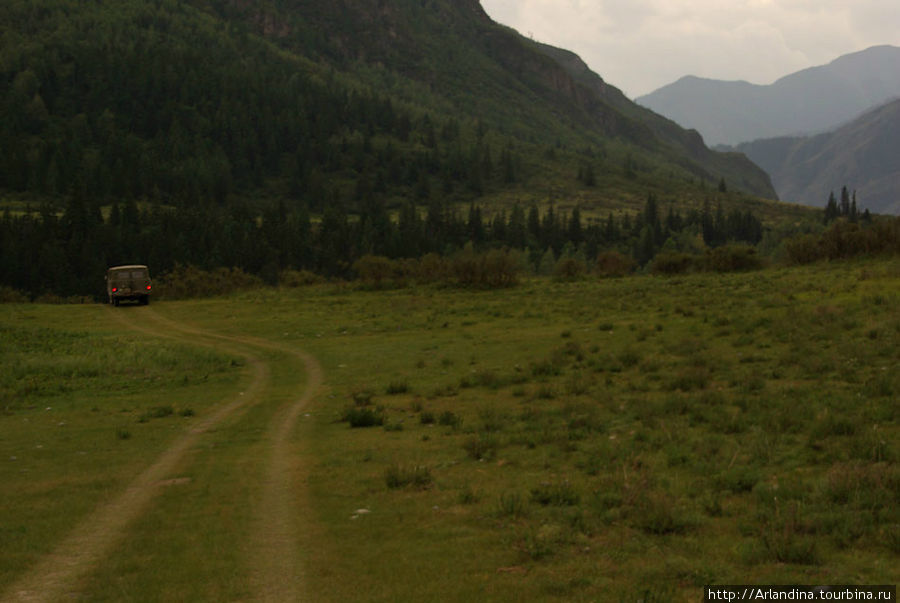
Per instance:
x=128, y=282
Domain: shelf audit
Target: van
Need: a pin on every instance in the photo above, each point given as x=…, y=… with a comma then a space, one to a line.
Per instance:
x=128, y=282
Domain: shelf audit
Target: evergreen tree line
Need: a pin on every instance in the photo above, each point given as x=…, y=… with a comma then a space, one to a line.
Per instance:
x=66, y=255
x=847, y=208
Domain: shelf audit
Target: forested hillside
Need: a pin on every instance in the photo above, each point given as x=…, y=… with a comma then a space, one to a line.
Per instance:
x=196, y=110
x=165, y=101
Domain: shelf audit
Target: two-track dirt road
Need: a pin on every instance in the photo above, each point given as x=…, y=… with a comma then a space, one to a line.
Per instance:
x=274, y=553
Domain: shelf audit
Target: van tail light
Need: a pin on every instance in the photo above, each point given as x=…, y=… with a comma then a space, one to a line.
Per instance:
x=148, y=287
x=115, y=289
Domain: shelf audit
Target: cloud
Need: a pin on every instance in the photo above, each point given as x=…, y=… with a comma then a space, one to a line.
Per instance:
x=640, y=45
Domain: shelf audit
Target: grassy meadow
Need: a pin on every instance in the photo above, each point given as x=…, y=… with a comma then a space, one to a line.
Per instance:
x=611, y=440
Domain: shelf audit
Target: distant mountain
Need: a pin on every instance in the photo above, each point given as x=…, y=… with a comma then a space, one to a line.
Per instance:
x=314, y=102
x=864, y=155
x=806, y=102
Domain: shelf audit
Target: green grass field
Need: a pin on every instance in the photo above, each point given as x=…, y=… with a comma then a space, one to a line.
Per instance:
x=612, y=440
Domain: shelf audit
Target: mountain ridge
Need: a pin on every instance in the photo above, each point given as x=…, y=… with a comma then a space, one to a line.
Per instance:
x=808, y=101
x=863, y=155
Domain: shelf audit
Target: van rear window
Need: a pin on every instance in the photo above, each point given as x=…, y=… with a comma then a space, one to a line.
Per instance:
x=123, y=274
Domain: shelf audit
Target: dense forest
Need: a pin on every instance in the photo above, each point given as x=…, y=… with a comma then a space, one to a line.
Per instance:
x=67, y=255
x=216, y=135
x=188, y=102
x=187, y=114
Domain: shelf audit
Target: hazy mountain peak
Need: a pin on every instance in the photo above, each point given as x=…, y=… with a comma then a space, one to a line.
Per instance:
x=863, y=155
x=811, y=100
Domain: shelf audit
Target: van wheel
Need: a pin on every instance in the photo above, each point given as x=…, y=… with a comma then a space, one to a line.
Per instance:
x=116, y=302
x=145, y=301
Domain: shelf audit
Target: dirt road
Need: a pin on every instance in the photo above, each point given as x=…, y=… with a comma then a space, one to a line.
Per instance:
x=276, y=566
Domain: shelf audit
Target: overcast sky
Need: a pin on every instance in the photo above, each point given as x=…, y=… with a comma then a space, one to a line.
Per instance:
x=641, y=45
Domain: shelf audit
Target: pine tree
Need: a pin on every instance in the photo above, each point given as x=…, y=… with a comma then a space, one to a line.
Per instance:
x=517, y=232
x=845, y=202
x=831, y=209
x=574, y=232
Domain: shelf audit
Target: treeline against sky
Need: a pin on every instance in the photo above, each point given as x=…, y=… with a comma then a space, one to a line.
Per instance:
x=44, y=253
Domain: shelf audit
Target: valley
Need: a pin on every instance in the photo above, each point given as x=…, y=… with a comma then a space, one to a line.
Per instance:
x=534, y=442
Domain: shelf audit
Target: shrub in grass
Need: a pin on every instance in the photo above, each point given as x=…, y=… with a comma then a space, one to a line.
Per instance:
x=123, y=434
x=569, y=269
x=578, y=384
x=540, y=543
x=668, y=262
x=157, y=412
x=8, y=295
x=545, y=368
x=885, y=385
x=444, y=391
x=629, y=358
x=891, y=538
x=511, y=505
x=613, y=264
x=468, y=496
x=785, y=538
x=491, y=419
x=397, y=387
x=481, y=447
x=298, y=278
x=449, y=419
x=185, y=282
x=732, y=258
x=656, y=513
x=828, y=426
x=187, y=412
x=693, y=378
x=545, y=392
x=487, y=378
x=652, y=594
x=738, y=479
x=416, y=477
x=375, y=271
x=362, y=396
x=872, y=445
x=558, y=494
x=426, y=418
x=362, y=417
x=870, y=486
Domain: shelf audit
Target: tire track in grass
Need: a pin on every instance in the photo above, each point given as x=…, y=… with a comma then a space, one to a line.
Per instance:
x=276, y=564
x=56, y=576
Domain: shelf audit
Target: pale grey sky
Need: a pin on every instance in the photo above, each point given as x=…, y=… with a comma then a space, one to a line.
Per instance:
x=641, y=45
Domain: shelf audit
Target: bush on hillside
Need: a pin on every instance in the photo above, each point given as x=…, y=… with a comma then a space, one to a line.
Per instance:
x=569, y=269
x=377, y=271
x=185, y=282
x=670, y=262
x=490, y=270
x=733, y=258
x=846, y=239
x=614, y=264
